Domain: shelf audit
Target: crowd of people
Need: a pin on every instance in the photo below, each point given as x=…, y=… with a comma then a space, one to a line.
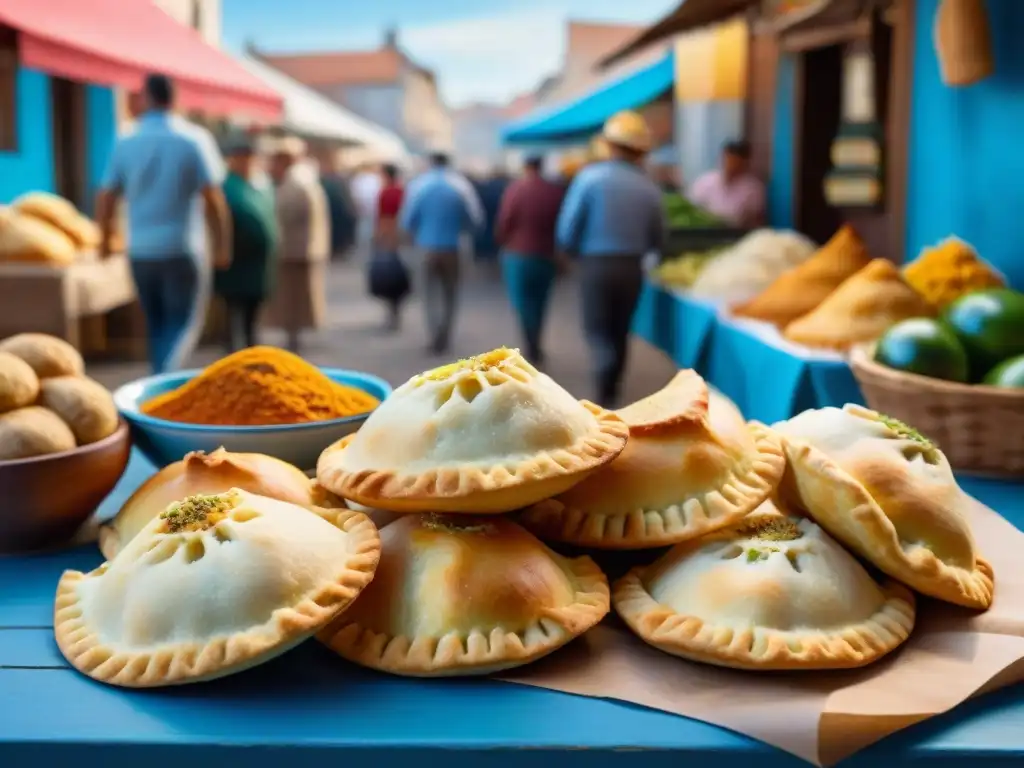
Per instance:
x=270, y=228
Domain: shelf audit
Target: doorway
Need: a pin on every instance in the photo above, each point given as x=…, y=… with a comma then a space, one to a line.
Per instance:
x=68, y=118
x=819, y=112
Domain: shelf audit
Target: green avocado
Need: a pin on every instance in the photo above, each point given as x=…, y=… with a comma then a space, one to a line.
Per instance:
x=925, y=347
x=990, y=325
x=1008, y=374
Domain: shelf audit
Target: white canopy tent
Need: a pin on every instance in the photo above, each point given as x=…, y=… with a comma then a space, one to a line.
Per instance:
x=313, y=116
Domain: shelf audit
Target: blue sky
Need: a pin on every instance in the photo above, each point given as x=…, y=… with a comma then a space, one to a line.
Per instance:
x=482, y=49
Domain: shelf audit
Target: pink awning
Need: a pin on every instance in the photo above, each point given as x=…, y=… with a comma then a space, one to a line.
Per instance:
x=118, y=42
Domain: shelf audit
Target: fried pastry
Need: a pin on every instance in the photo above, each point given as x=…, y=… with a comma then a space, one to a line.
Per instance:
x=485, y=435
x=461, y=595
x=214, y=585
x=803, y=288
x=773, y=593
x=859, y=310
x=889, y=494
x=685, y=472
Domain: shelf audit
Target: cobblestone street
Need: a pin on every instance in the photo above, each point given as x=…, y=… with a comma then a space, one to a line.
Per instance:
x=354, y=336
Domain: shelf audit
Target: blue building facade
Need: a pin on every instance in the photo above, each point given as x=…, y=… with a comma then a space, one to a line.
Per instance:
x=965, y=159
x=30, y=166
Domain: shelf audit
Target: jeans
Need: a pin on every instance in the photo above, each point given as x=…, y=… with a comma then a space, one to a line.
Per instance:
x=242, y=315
x=528, y=280
x=168, y=289
x=611, y=289
x=440, y=288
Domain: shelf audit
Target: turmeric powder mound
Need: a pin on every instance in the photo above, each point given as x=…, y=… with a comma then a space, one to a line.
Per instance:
x=948, y=271
x=259, y=386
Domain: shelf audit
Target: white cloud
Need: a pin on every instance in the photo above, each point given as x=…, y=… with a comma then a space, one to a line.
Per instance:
x=490, y=57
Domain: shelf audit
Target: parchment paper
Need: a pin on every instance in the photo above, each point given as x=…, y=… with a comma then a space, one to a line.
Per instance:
x=952, y=655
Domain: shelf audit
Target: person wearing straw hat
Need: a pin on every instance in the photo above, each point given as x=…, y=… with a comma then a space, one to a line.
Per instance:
x=612, y=218
x=303, y=218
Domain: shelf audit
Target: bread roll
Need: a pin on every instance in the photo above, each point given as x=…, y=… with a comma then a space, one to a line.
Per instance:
x=59, y=213
x=48, y=355
x=33, y=431
x=28, y=239
x=19, y=385
x=85, y=405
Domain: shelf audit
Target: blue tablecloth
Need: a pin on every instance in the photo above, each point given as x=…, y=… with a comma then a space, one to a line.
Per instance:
x=768, y=380
x=308, y=709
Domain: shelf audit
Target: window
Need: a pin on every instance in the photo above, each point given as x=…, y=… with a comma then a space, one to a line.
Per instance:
x=8, y=89
x=197, y=15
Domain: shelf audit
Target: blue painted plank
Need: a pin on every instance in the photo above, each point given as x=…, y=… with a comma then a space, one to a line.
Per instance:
x=29, y=648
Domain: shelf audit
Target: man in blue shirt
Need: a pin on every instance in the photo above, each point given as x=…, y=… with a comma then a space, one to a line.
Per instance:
x=612, y=217
x=440, y=207
x=162, y=169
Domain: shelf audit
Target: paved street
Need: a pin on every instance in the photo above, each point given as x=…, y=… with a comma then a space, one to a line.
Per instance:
x=354, y=337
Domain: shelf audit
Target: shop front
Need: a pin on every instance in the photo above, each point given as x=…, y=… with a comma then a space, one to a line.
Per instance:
x=853, y=116
x=60, y=73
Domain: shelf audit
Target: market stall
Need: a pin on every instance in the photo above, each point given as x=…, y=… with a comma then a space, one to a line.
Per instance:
x=51, y=280
x=772, y=320
x=175, y=638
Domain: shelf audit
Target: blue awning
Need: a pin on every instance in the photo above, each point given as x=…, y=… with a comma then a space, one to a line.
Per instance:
x=585, y=115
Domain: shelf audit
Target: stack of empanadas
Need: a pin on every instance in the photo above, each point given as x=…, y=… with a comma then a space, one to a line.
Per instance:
x=62, y=215
x=860, y=310
x=803, y=288
x=460, y=589
x=776, y=591
x=26, y=239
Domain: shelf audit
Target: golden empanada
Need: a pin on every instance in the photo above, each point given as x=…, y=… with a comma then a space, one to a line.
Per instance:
x=213, y=586
x=775, y=592
x=803, y=288
x=859, y=310
x=486, y=435
x=460, y=595
x=890, y=495
x=685, y=471
x=62, y=214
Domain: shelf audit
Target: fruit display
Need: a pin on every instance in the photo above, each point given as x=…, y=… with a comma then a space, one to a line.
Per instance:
x=682, y=214
x=978, y=339
x=990, y=325
x=684, y=269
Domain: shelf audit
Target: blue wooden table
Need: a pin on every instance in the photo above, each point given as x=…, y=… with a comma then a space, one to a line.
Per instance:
x=768, y=378
x=309, y=706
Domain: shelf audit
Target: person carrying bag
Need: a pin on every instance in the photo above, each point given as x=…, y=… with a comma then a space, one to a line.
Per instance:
x=388, y=278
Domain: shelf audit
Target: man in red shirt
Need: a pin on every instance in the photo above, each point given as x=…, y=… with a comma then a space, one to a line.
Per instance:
x=388, y=277
x=526, y=232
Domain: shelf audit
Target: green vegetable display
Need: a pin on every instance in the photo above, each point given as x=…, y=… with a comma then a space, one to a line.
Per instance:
x=682, y=214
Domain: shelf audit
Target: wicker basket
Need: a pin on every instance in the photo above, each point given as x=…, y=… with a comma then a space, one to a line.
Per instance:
x=980, y=429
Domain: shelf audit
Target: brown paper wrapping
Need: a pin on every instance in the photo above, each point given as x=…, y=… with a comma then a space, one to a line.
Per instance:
x=952, y=655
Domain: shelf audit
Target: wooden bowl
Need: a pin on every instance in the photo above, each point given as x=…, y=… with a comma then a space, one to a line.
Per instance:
x=48, y=498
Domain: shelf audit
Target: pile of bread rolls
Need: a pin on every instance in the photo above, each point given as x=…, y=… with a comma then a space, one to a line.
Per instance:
x=47, y=404
x=42, y=228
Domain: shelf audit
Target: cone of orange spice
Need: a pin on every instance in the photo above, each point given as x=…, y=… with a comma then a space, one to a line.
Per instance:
x=259, y=386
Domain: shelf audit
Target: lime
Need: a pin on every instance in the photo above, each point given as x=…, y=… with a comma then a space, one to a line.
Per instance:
x=923, y=346
x=1008, y=374
x=990, y=325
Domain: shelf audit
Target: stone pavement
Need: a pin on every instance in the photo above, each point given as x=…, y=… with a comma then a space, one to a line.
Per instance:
x=354, y=336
